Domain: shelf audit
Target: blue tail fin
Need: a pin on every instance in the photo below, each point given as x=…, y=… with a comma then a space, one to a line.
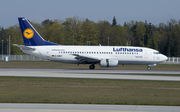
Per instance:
x=30, y=36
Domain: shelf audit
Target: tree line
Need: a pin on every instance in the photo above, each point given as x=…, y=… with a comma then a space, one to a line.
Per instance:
x=164, y=37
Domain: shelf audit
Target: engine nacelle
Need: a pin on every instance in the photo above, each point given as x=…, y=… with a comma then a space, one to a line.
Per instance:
x=109, y=63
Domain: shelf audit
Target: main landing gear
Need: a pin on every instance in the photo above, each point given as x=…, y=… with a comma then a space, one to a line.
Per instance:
x=148, y=68
x=91, y=67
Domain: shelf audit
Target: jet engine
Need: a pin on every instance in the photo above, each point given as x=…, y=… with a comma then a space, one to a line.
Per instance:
x=109, y=63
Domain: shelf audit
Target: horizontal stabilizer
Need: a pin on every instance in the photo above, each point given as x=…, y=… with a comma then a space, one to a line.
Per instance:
x=24, y=47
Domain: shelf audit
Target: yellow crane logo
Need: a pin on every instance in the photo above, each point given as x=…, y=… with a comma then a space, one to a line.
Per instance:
x=28, y=33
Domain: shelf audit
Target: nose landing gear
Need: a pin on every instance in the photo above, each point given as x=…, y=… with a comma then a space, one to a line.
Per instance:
x=148, y=68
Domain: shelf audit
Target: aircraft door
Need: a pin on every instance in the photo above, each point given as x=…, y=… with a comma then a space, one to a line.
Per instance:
x=146, y=54
x=48, y=54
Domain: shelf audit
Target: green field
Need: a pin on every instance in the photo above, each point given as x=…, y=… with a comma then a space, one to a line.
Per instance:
x=88, y=91
x=50, y=64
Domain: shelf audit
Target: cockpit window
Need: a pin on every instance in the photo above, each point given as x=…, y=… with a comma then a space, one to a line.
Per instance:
x=156, y=52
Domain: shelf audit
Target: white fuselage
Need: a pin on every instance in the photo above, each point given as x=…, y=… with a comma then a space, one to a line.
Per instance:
x=124, y=54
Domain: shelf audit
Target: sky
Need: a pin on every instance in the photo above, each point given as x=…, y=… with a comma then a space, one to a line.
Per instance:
x=154, y=11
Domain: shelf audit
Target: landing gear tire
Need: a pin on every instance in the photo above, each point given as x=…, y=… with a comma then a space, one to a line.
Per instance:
x=148, y=68
x=91, y=67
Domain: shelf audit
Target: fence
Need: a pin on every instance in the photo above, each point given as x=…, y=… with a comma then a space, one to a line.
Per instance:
x=22, y=58
x=173, y=60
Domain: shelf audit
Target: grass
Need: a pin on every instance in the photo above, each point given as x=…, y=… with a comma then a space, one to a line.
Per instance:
x=88, y=91
x=50, y=64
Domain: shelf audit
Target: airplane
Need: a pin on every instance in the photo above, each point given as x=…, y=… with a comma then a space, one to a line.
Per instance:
x=105, y=56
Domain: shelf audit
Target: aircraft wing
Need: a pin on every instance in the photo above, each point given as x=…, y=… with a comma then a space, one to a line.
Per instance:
x=84, y=59
x=24, y=47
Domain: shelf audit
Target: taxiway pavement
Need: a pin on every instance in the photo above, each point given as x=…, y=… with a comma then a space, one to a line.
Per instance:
x=21, y=107
x=94, y=74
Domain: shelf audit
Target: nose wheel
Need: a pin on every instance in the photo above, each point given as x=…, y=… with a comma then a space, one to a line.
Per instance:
x=91, y=67
x=148, y=68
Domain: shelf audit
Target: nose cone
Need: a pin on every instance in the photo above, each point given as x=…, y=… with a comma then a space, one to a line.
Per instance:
x=164, y=58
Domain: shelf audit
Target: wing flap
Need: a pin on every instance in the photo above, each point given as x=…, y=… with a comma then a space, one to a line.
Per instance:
x=83, y=58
